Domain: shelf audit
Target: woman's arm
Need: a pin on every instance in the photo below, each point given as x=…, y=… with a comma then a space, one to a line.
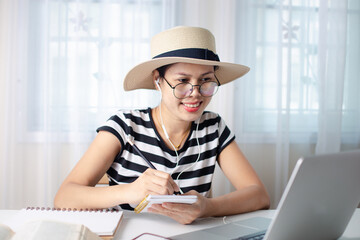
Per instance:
x=78, y=191
x=250, y=193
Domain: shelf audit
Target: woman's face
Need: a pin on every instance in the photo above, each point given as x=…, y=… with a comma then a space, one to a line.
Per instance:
x=191, y=107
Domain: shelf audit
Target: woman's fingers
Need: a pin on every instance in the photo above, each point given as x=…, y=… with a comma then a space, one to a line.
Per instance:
x=158, y=182
x=182, y=213
x=166, y=180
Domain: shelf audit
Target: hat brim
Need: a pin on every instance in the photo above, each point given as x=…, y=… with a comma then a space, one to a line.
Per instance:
x=140, y=76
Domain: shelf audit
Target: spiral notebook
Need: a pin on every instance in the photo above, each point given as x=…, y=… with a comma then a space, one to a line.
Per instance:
x=104, y=223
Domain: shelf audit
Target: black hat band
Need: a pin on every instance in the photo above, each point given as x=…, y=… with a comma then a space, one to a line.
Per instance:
x=198, y=53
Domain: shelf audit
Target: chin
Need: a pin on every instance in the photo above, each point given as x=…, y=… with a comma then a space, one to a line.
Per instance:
x=192, y=116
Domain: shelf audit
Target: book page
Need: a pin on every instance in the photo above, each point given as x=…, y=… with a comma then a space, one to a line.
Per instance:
x=44, y=230
x=99, y=222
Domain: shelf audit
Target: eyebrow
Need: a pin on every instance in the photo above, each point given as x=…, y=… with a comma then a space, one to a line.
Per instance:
x=185, y=74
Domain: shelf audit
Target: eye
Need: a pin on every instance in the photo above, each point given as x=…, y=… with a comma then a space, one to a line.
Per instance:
x=208, y=79
x=183, y=80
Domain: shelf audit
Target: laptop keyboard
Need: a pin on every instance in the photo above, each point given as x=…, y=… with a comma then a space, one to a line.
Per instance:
x=255, y=236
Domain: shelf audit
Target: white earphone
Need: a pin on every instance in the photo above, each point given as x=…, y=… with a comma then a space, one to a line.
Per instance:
x=157, y=82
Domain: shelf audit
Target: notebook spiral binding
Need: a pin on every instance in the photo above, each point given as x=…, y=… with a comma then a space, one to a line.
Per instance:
x=72, y=209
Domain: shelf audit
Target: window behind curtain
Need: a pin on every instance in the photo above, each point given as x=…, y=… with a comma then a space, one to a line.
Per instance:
x=280, y=41
x=78, y=54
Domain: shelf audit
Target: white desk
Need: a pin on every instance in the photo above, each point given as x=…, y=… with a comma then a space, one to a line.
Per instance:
x=133, y=224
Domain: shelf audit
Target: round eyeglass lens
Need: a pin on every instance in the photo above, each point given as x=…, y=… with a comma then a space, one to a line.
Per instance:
x=183, y=90
x=208, y=89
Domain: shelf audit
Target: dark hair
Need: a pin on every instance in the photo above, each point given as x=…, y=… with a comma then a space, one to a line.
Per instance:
x=163, y=69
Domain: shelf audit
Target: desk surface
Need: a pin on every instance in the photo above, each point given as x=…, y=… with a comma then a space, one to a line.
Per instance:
x=133, y=224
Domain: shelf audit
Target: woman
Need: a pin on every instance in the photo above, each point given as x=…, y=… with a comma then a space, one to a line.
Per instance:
x=181, y=140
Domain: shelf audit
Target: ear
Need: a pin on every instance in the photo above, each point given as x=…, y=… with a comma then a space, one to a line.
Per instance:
x=156, y=79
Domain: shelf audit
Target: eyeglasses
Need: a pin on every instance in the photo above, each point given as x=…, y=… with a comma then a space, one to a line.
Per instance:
x=184, y=90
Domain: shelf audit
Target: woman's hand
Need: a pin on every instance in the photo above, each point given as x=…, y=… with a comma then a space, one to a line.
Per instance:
x=180, y=212
x=152, y=182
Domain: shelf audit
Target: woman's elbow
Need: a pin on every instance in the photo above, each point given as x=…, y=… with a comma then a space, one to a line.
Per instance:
x=58, y=200
x=264, y=199
x=261, y=199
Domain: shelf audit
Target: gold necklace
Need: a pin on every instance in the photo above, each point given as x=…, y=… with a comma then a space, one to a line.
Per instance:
x=178, y=146
x=182, y=139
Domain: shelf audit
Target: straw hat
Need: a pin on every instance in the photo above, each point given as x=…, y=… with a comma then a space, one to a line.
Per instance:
x=182, y=44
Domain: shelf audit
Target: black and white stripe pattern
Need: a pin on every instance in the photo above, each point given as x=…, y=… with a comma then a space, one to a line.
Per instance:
x=212, y=133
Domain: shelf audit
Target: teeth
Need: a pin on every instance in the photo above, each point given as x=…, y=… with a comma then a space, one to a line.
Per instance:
x=192, y=105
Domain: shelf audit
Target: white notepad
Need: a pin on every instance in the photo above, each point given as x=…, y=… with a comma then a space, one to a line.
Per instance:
x=158, y=199
x=101, y=222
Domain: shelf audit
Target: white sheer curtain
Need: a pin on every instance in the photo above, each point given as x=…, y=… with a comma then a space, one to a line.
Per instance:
x=62, y=65
x=301, y=97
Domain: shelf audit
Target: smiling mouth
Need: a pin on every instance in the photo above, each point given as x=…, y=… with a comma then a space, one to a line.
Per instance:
x=192, y=105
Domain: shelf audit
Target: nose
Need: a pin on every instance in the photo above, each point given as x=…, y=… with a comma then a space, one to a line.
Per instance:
x=196, y=90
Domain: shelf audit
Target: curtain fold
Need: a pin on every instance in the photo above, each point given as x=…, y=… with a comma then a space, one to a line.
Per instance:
x=332, y=56
x=11, y=158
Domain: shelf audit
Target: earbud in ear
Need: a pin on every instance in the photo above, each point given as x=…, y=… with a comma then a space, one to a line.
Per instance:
x=157, y=82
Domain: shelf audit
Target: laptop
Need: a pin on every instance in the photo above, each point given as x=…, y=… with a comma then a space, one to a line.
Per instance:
x=318, y=202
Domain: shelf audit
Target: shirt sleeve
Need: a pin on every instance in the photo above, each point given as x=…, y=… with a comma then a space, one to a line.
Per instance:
x=117, y=125
x=226, y=136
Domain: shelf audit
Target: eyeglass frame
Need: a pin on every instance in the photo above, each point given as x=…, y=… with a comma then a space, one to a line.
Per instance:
x=193, y=86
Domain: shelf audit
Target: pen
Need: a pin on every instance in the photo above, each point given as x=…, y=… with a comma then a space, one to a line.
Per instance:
x=139, y=152
x=129, y=140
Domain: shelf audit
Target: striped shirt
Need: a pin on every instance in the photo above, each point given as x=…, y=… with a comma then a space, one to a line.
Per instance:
x=194, y=170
